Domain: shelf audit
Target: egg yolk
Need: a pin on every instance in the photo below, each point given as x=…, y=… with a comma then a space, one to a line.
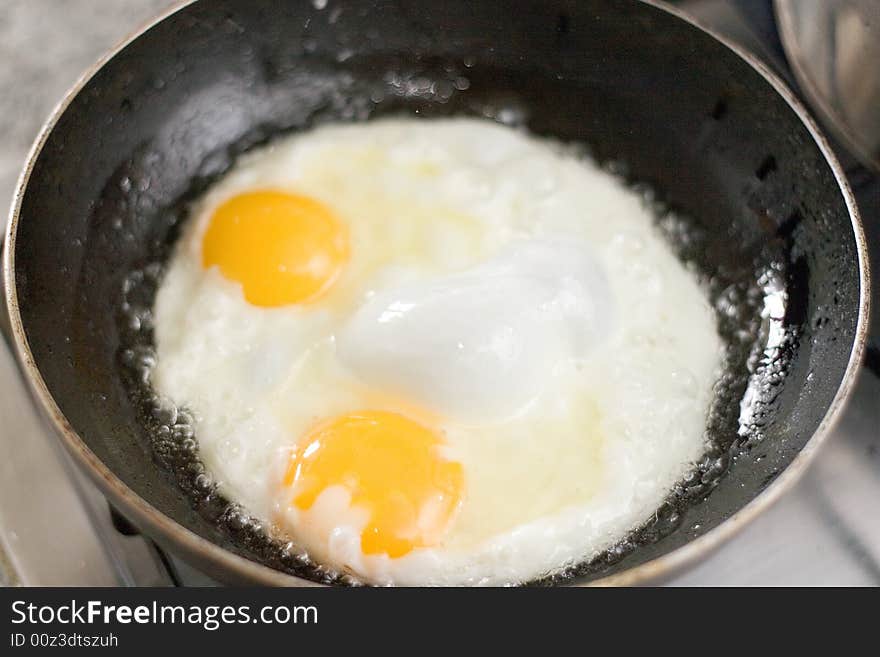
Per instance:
x=282, y=248
x=392, y=467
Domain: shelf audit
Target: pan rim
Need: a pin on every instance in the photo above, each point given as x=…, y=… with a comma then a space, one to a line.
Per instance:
x=171, y=532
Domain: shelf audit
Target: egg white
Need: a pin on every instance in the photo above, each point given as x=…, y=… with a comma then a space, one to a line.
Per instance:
x=583, y=464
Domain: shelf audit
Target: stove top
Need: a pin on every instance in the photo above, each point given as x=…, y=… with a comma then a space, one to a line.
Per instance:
x=56, y=528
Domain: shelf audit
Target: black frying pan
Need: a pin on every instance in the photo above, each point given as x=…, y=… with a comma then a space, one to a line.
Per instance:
x=717, y=138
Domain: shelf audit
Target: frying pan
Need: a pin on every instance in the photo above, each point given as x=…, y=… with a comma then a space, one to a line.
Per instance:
x=705, y=133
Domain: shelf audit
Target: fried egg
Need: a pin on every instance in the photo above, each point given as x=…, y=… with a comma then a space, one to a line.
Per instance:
x=435, y=352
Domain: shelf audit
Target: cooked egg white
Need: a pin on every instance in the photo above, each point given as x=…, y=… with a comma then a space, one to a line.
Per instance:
x=435, y=351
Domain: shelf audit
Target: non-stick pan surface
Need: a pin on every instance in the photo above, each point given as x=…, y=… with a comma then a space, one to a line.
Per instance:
x=718, y=140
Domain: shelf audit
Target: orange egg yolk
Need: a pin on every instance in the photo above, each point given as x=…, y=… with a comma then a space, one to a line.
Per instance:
x=282, y=248
x=392, y=467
